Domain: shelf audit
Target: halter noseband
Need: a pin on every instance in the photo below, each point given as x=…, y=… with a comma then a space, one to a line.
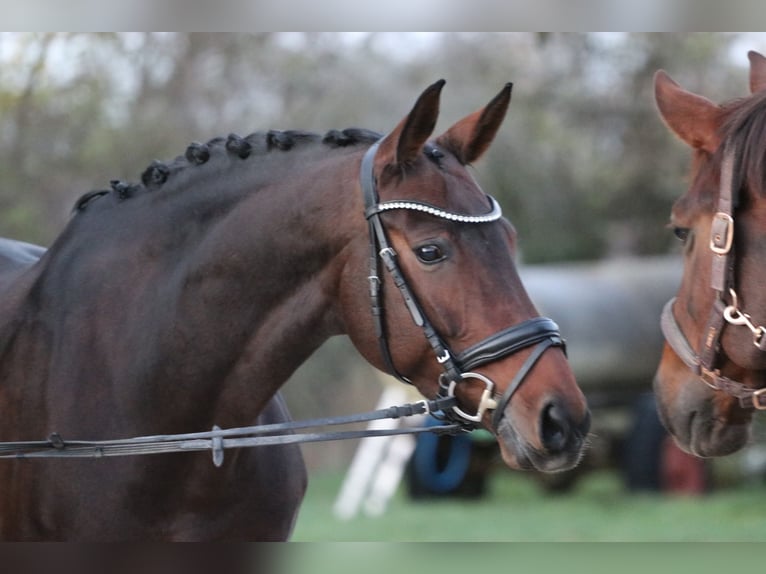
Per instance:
x=703, y=363
x=539, y=331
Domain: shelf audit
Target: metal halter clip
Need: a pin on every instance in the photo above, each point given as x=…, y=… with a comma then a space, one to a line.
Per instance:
x=721, y=237
x=734, y=316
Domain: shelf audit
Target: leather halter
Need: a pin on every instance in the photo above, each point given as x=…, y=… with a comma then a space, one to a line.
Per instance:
x=703, y=364
x=539, y=331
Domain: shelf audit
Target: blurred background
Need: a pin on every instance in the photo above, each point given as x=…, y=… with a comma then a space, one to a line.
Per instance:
x=583, y=167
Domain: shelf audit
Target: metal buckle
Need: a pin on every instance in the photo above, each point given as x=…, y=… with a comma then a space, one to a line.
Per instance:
x=710, y=378
x=485, y=403
x=756, y=402
x=726, y=235
x=426, y=406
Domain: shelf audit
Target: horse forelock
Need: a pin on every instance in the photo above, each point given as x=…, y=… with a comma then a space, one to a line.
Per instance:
x=160, y=175
x=745, y=130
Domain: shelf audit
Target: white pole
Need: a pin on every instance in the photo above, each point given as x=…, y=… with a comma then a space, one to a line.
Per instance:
x=389, y=475
x=370, y=452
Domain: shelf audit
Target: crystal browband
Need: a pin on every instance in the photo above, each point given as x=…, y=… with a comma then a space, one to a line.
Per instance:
x=495, y=214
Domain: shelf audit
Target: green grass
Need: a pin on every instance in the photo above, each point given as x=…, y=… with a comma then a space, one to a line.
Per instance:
x=517, y=509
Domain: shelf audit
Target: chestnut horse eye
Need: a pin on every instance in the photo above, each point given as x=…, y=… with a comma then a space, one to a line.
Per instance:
x=429, y=254
x=682, y=233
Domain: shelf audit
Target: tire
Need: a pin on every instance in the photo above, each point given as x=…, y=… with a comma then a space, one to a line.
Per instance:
x=447, y=466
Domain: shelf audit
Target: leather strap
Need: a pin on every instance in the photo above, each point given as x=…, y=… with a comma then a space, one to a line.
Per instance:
x=510, y=341
x=219, y=439
x=381, y=248
x=721, y=244
x=519, y=378
x=748, y=397
x=676, y=339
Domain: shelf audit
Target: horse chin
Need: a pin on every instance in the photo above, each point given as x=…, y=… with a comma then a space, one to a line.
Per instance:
x=706, y=437
x=520, y=455
x=703, y=435
x=700, y=426
x=721, y=441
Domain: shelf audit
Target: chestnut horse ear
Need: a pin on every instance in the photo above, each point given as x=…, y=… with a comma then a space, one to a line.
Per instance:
x=692, y=118
x=402, y=146
x=469, y=138
x=757, y=72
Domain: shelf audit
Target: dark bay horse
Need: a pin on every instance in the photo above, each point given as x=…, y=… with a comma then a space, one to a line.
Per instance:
x=186, y=301
x=712, y=376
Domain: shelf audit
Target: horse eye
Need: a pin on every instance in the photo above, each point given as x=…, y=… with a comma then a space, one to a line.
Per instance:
x=682, y=233
x=429, y=254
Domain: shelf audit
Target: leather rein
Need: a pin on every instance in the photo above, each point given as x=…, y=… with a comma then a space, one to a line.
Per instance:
x=539, y=331
x=703, y=363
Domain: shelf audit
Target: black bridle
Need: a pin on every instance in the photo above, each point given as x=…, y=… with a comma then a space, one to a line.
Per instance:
x=539, y=331
x=704, y=362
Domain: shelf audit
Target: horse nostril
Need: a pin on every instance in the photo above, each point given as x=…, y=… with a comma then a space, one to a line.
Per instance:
x=555, y=428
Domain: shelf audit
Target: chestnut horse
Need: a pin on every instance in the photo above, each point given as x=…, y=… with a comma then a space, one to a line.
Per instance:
x=711, y=378
x=187, y=300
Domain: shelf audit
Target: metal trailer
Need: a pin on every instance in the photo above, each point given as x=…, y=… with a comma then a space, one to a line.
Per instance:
x=609, y=313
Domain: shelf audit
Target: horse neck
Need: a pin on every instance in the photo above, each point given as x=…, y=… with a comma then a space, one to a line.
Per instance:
x=228, y=297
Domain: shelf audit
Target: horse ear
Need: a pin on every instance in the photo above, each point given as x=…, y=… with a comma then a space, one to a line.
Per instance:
x=469, y=138
x=692, y=118
x=757, y=72
x=402, y=146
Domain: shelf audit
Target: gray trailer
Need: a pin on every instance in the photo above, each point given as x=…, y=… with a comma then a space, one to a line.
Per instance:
x=609, y=313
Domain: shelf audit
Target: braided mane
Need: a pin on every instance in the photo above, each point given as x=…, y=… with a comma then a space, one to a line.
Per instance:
x=158, y=173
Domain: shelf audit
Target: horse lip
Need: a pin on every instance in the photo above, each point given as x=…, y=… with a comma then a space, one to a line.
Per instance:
x=714, y=439
x=693, y=436
x=509, y=442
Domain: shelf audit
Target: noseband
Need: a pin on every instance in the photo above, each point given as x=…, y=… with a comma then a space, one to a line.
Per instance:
x=539, y=331
x=703, y=364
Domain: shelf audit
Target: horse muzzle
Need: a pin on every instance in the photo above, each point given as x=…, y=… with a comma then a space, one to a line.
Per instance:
x=703, y=422
x=558, y=446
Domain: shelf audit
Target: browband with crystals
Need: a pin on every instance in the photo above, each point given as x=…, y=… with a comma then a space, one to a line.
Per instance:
x=495, y=214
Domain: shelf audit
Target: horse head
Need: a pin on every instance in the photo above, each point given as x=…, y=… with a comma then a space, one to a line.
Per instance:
x=713, y=364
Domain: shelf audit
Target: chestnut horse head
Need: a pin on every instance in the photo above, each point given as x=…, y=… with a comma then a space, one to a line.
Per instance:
x=711, y=376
